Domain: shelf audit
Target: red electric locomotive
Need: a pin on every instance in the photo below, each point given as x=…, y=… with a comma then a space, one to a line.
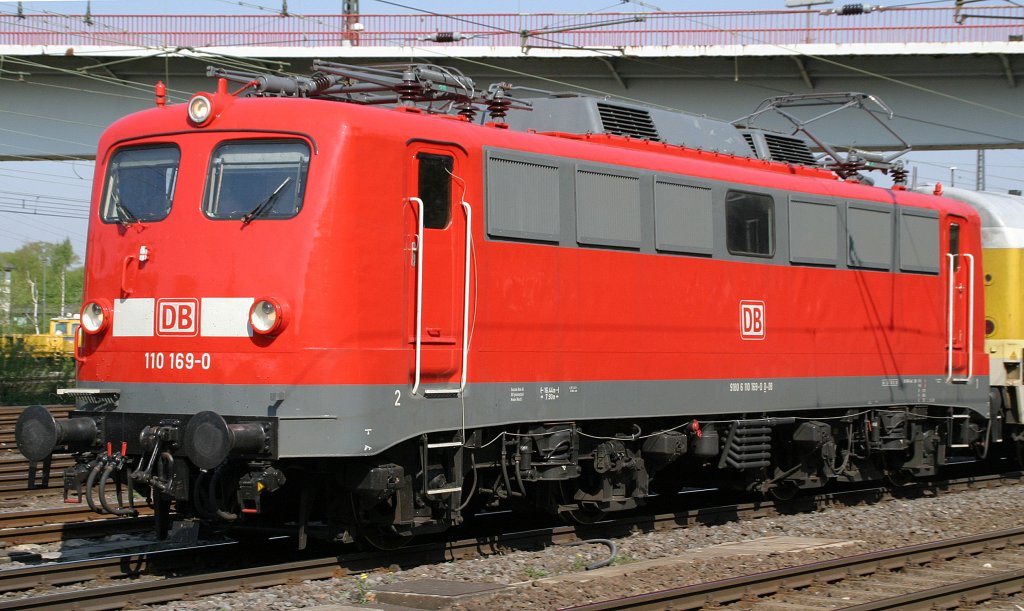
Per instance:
x=343, y=304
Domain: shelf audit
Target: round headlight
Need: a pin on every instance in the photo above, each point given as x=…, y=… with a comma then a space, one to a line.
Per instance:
x=95, y=318
x=199, y=109
x=266, y=316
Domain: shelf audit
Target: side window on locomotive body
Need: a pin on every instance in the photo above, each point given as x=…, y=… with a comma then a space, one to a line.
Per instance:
x=750, y=224
x=139, y=184
x=954, y=245
x=256, y=179
x=434, y=188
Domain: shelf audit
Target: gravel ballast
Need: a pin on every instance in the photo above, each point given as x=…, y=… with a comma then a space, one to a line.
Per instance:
x=869, y=528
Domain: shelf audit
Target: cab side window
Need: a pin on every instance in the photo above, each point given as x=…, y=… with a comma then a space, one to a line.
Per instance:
x=954, y=245
x=435, y=189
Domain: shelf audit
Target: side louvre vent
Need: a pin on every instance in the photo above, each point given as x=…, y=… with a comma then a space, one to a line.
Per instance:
x=625, y=121
x=788, y=150
x=750, y=141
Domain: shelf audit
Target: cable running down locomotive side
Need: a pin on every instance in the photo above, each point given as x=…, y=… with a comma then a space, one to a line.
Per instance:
x=352, y=306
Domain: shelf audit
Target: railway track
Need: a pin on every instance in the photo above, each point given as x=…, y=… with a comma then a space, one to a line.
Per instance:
x=157, y=590
x=839, y=583
x=9, y=417
x=16, y=473
x=62, y=523
x=15, y=469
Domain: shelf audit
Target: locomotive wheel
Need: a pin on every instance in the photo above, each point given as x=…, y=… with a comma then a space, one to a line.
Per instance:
x=385, y=541
x=376, y=536
x=899, y=477
x=783, y=492
x=586, y=515
x=1016, y=454
x=1016, y=450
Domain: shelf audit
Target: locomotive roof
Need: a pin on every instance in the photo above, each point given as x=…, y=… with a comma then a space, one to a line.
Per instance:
x=321, y=117
x=590, y=115
x=445, y=90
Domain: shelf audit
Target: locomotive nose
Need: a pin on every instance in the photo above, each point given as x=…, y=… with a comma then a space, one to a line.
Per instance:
x=37, y=432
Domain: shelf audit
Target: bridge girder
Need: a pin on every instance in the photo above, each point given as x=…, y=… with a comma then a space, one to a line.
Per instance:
x=941, y=101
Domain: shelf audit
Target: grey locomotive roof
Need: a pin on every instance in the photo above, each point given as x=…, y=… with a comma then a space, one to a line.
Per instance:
x=589, y=115
x=1002, y=215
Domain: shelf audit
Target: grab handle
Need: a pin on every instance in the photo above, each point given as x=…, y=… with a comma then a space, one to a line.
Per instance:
x=125, y=289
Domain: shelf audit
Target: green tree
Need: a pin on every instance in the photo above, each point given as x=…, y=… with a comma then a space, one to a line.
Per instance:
x=42, y=280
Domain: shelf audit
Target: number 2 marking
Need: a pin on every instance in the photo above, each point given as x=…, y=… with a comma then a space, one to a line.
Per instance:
x=398, y=398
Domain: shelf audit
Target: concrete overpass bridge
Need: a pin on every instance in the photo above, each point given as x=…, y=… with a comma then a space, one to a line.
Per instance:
x=953, y=83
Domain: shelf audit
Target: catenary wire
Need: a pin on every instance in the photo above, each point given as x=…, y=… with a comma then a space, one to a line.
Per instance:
x=434, y=50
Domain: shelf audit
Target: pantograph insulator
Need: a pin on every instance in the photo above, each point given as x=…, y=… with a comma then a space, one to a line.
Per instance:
x=899, y=175
x=498, y=107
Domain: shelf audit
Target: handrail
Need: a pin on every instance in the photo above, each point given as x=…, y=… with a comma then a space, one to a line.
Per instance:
x=970, y=320
x=419, y=288
x=419, y=292
x=949, y=320
x=465, y=298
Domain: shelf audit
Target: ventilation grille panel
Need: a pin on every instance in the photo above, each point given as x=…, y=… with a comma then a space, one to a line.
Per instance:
x=625, y=121
x=788, y=150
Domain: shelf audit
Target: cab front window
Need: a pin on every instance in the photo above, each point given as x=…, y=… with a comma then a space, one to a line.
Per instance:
x=250, y=180
x=139, y=184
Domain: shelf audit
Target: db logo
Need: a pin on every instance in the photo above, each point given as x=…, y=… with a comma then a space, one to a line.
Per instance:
x=752, y=319
x=177, y=317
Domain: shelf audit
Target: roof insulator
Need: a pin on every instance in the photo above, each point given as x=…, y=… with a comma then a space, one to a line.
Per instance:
x=853, y=9
x=446, y=37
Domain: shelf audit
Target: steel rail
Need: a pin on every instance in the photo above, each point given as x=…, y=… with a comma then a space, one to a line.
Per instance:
x=16, y=474
x=49, y=515
x=164, y=590
x=18, y=464
x=950, y=596
x=26, y=578
x=10, y=413
x=726, y=591
x=13, y=495
x=89, y=525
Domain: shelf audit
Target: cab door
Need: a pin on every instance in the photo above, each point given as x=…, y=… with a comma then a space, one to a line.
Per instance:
x=960, y=267
x=438, y=227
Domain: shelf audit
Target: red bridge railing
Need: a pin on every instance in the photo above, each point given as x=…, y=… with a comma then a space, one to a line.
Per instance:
x=595, y=30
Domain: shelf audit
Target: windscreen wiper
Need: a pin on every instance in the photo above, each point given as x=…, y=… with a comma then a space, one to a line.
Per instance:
x=124, y=215
x=266, y=204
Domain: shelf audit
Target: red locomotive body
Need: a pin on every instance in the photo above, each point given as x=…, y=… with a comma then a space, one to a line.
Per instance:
x=391, y=312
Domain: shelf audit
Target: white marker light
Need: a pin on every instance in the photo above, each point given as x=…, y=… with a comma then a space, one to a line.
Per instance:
x=200, y=109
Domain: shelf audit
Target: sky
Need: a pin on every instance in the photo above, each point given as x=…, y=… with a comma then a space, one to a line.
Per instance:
x=64, y=187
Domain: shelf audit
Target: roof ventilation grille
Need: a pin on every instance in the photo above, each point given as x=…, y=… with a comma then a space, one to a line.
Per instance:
x=625, y=121
x=789, y=150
